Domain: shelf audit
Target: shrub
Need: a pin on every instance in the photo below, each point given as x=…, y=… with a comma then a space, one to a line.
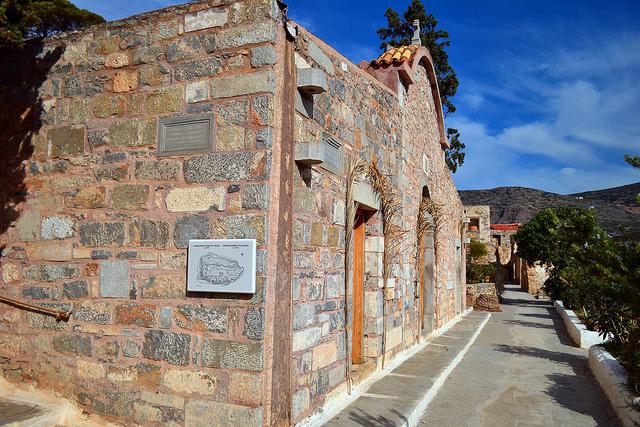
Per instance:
x=477, y=273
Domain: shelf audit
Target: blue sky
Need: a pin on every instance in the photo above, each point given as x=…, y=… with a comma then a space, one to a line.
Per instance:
x=549, y=94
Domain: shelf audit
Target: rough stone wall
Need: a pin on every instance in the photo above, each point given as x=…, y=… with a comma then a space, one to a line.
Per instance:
x=104, y=224
x=369, y=120
x=482, y=213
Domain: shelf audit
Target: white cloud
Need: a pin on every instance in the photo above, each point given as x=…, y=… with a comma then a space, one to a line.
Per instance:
x=575, y=112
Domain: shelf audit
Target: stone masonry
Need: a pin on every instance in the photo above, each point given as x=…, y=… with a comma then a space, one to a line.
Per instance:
x=102, y=225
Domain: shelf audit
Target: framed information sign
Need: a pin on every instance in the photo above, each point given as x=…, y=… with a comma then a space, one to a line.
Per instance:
x=225, y=266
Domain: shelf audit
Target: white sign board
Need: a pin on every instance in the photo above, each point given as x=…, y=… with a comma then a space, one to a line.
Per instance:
x=227, y=266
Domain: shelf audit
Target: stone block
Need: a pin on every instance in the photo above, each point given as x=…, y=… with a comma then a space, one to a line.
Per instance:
x=114, y=279
x=125, y=81
x=165, y=100
x=227, y=167
x=10, y=272
x=303, y=315
x=190, y=382
x=90, y=370
x=190, y=227
x=243, y=84
x=262, y=110
x=28, y=226
x=256, y=196
x=147, y=55
x=300, y=402
x=198, y=413
x=254, y=324
x=196, y=92
x=110, y=402
x=241, y=227
x=173, y=261
x=117, y=60
x=72, y=86
x=240, y=36
x=207, y=18
x=93, y=312
x=136, y=314
x=39, y=293
x=164, y=287
x=166, y=317
x=76, y=289
x=131, y=349
x=317, y=234
x=230, y=138
x=56, y=272
x=147, y=233
x=198, y=69
x=183, y=48
x=109, y=106
x=101, y=233
x=232, y=112
x=169, y=347
x=66, y=141
x=114, y=173
x=320, y=382
x=225, y=354
x=130, y=197
x=132, y=133
x=263, y=55
x=306, y=338
x=75, y=345
x=334, y=285
x=89, y=198
x=321, y=58
x=155, y=75
x=324, y=354
x=245, y=388
x=57, y=227
x=201, y=318
x=196, y=199
x=51, y=251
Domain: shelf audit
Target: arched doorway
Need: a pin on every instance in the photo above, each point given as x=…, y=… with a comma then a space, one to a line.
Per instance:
x=426, y=265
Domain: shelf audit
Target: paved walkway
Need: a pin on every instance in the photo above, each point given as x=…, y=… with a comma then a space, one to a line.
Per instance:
x=523, y=370
x=394, y=399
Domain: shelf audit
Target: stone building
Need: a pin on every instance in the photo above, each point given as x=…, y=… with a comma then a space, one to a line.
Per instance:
x=217, y=119
x=503, y=251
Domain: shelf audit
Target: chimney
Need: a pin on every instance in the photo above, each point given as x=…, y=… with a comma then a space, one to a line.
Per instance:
x=416, y=34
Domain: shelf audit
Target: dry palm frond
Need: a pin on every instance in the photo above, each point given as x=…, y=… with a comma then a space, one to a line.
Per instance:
x=355, y=170
x=391, y=209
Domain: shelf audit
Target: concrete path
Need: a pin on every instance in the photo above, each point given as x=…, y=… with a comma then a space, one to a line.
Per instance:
x=399, y=398
x=523, y=370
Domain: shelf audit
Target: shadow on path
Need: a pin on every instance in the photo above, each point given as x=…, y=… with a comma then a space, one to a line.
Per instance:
x=563, y=387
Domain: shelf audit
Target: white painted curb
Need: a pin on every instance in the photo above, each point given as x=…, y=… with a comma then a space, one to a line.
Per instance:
x=337, y=404
x=418, y=412
x=613, y=379
x=582, y=336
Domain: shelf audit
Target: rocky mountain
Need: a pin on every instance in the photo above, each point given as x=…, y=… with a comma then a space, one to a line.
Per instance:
x=616, y=208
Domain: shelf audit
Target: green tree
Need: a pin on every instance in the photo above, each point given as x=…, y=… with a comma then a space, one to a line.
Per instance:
x=477, y=250
x=454, y=156
x=28, y=19
x=634, y=161
x=399, y=32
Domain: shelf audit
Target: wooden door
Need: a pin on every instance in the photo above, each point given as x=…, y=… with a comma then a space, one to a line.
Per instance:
x=358, y=289
x=422, y=280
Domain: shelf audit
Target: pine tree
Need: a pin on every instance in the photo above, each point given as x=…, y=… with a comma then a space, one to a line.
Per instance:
x=399, y=32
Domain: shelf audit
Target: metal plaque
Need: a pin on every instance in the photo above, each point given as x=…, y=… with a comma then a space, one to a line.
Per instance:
x=332, y=154
x=224, y=266
x=185, y=135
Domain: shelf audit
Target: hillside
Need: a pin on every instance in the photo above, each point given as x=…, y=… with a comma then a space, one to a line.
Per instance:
x=616, y=208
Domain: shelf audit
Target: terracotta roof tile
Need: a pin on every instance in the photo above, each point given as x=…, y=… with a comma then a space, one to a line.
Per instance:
x=505, y=227
x=396, y=55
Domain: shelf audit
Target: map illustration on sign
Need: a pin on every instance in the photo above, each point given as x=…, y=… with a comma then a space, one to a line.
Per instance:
x=218, y=270
x=225, y=266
